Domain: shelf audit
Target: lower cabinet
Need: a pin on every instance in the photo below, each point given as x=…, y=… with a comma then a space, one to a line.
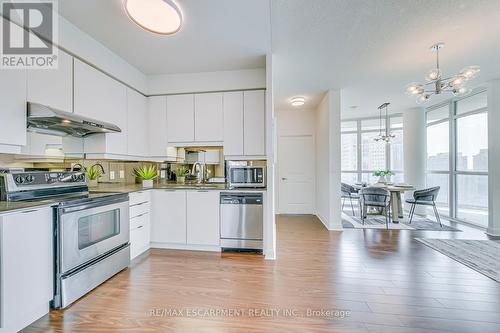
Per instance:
x=168, y=216
x=203, y=218
x=189, y=219
x=139, y=213
x=26, y=259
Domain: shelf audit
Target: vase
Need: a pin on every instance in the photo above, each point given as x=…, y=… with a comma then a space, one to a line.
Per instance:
x=382, y=180
x=181, y=180
x=93, y=183
x=147, y=183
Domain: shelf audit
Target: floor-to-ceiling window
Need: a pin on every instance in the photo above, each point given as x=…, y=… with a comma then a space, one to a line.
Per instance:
x=361, y=155
x=457, y=157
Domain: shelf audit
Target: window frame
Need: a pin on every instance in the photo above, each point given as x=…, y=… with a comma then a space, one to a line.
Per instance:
x=359, y=131
x=452, y=171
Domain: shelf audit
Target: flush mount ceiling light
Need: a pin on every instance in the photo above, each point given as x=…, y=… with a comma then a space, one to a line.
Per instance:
x=298, y=101
x=159, y=16
x=438, y=84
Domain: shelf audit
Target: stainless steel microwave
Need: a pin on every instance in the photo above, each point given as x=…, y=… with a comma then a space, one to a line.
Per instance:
x=238, y=175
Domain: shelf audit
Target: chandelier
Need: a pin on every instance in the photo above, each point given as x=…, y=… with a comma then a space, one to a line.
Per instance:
x=437, y=84
x=387, y=136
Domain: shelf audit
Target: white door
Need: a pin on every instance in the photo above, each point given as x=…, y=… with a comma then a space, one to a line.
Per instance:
x=296, y=169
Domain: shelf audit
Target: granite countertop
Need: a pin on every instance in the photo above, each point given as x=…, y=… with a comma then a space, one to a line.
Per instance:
x=127, y=188
x=12, y=206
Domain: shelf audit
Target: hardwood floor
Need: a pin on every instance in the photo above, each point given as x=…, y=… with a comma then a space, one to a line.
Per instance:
x=370, y=280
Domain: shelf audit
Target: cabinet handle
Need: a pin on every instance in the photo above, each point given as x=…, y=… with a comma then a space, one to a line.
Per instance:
x=28, y=211
x=133, y=217
x=141, y=203
x=139, y=227
x=201, y=191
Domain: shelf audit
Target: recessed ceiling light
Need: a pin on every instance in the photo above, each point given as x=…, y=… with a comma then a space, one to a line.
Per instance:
x=159, y=16
x=298, y=101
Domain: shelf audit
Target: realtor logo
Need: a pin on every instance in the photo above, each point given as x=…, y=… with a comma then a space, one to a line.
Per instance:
x=29, y=31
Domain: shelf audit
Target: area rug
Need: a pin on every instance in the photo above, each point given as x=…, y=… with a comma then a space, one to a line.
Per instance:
x=480, y=255
x=378, y=222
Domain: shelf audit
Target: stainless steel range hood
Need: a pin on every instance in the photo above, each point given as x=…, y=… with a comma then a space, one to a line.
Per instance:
x=46, y=120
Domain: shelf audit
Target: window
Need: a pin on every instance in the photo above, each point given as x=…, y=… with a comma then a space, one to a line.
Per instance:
x=457, y=157
x=361, y=155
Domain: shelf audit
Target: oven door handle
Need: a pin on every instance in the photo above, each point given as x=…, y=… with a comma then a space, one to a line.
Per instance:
x=93, y=204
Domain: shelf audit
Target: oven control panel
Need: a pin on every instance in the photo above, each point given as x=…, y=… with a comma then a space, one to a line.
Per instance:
x=47, y=178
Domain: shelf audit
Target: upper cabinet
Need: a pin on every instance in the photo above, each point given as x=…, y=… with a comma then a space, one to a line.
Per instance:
x=100, y=97
x=233, y=123
x=180, y=118
x=53, y=87
x=157, y=130
x=208, y=117
x=254, y=121
x=13, y=107
x=137, y=114
x=244, y=123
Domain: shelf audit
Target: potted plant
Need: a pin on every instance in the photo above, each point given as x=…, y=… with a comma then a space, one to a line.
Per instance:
x=93, y=174
x=383, y=176
x=181, y=174
x=147, y=173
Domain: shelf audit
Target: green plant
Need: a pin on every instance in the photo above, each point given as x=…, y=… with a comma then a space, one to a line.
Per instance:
x=181, y=171
x=93, y=173
x=383, y=173
x=146, y=172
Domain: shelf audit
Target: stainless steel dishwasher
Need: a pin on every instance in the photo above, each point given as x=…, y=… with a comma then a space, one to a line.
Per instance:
x=241, y=220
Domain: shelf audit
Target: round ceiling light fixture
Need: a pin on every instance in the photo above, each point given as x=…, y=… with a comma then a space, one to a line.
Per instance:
x=162, y=17
x=298, y=101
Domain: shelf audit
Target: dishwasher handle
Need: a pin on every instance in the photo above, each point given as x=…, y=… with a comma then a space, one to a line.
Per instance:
x=241, y=199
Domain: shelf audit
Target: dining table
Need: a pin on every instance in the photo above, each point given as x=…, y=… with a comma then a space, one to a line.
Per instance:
x=396, y=192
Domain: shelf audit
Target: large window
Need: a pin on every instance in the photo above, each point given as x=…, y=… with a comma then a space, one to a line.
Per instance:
x=457, y=157
x=362, y=155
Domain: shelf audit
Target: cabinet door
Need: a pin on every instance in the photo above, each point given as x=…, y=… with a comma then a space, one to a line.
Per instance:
x=254, y=122
x=180, y=118
x=137, y=116
x=168, y=216
x=13, y=107
x=233, y=123
x=27, y=265
x=53, y=87
x=100, y=97
x=208, y=117
x=203, y=218
x=157, y=126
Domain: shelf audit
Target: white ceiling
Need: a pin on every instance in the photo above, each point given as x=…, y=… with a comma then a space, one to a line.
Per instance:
x=372, y=48
x=216, y=35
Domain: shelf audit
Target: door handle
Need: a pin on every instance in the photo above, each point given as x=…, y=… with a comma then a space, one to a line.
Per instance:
x=283, y=178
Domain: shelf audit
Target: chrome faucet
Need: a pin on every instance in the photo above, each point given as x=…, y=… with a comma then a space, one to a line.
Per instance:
x=77, y=165
x=98, y=165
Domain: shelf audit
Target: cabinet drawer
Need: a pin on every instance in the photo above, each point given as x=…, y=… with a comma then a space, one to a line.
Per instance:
x=138, y=197
x=139, y=240
x=139, y=220
x=139, y=209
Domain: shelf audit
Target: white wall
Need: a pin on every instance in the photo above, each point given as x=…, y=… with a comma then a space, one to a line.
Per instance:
x=207, y=81
x=328, y=203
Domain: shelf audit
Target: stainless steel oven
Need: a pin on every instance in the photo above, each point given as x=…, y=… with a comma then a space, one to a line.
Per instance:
x=246, y=174
x=92, y=244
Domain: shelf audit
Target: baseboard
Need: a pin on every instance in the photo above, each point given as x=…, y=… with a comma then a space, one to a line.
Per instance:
x=190, y=247
x=322, y=220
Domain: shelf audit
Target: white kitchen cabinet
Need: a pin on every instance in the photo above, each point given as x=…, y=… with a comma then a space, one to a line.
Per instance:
x=168, y=216
x=137, y=115
x=180, y=118
x=158, y=140
x=203, y=217
x=43, y=145
x=13, y=107
x=53, y=87
x=26, y=258
x=233, y=123
x=208, y=117
x=254, y=127
x=100, y=97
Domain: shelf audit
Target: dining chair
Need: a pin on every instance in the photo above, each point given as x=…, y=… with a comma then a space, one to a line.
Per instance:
x=349, y=192
x=426, y=197
x=375, y=197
